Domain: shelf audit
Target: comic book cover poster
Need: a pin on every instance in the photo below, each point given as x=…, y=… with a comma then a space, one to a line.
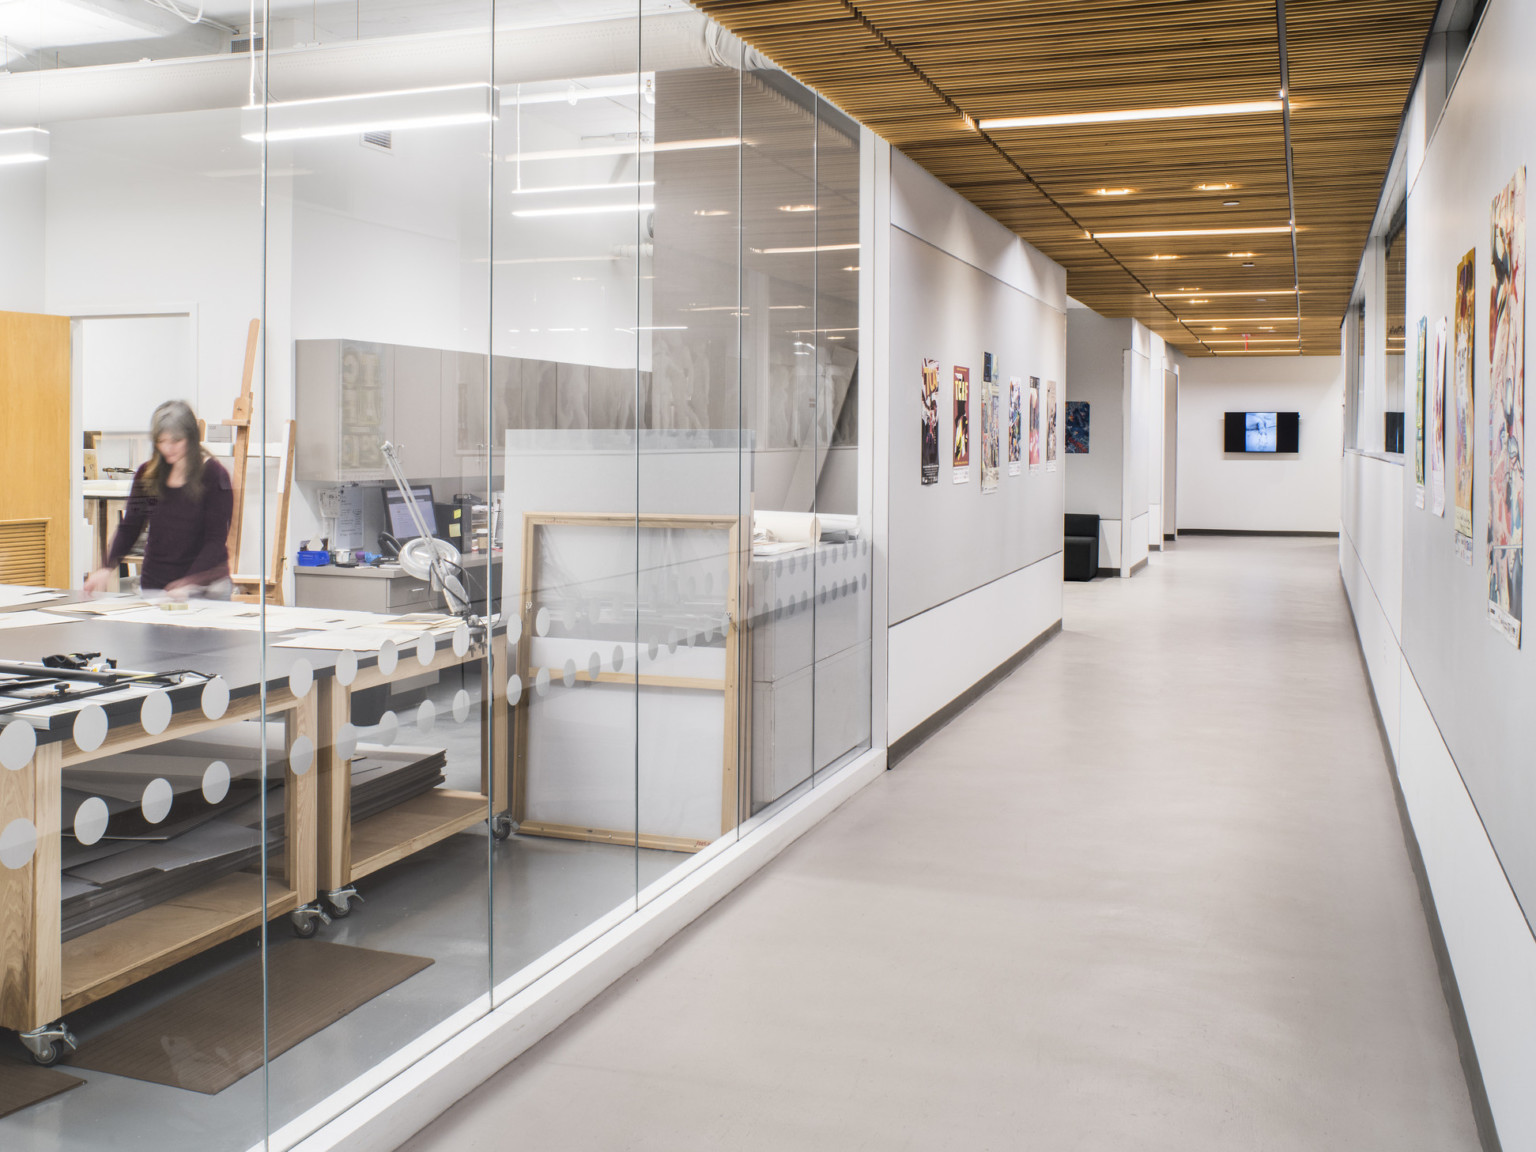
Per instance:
x=991, y=436
x=962, y=458
x=1050, y=425
x=1437, y=423
x=1466, y=343
x=1077, y=427
x=1506, y=403
x=1418, y=415
x=930, y=458
x=1015, y=425
x=1034, y=423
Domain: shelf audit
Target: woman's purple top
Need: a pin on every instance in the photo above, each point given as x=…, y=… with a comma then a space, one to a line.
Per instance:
x=188, y=536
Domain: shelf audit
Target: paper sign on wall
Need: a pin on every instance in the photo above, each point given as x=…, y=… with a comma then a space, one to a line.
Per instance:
x=1034, y=423
x=1015, y=425
x=1466, y=339
x=962, y=459
x=1050, y=425
x=1077, y=427
x=991, y=436
x=1506, y=403
x=1437, y=424
x=930, y=399
x=1418, y=415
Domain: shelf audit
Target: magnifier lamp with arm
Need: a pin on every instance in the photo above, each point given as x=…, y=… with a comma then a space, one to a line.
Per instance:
x=426, y=557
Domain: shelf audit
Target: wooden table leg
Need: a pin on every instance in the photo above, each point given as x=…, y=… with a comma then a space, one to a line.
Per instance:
x=299, y=803
x=335, y=788
x=30, y=920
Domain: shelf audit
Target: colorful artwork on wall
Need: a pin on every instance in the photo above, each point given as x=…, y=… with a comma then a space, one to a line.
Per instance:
x=962, y=456
x=1050, y=425
x=1506, y=405
x=1077, y=427
x=991, y=437
x=1034, y=423
x=930, y=398
x=1418, y=415
x=1437, y=423
x=1466, y=342
x=1015, y=425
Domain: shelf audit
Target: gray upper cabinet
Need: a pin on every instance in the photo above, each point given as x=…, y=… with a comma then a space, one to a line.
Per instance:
x=418, y=411
x=345, y=408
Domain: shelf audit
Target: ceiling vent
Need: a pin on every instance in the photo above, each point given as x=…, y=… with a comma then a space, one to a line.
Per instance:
x=383, y=141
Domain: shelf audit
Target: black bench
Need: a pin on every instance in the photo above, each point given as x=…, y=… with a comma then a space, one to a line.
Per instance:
x=1080, y=551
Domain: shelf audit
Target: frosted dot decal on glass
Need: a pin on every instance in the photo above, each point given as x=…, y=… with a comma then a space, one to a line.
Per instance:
x=514, y=632
x=541, y=622
x=215, y=698
x=461, y=639
x=541, y=682
x=346, y=668
x=568, y=617
x=618, y=658
x=90, y=727
x=91, y=821
x=461, y=705
x=389, y=728
x=568, y=673
x=864, y=582
x=692, y=637
x=514, y=689
x=301, y=678
x=18, y=840
x=426, y=648
x=672, y=639
x=18, y=740
x=652, y=650
x=389, y=658
x=594, y=665
x=346, y=741
x=216, y=782
x=156, y=804
x=301, y=757
x=155, y=712
x=426, y=716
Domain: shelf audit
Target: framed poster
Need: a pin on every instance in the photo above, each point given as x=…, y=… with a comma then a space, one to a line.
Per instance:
x=962, y=458
x=1050, y=425
x=1015, y=425
x=1466, y=340
x=1506, y=404
x=988, y=368
x=1077, y=427
x=1034, y=423
x=991, y=436
x=1418, y=415
x=930, y=397
x=1437, y=423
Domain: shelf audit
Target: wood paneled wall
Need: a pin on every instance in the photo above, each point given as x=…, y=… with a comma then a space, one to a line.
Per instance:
x=34, y=430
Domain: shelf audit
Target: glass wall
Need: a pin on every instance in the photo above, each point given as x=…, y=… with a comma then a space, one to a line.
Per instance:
x=509, y=548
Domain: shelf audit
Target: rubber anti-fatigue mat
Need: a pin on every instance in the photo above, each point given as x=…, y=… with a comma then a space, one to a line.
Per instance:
x=209, y=1036
x=22, y=1085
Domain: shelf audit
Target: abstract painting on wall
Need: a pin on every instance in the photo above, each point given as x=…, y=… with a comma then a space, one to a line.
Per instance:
x=1466, y=342
x=1015, y=425
x=1418, y=416
x=930, y=457
x=1050, y=425
x=1506, y=404
x=1437, y=423
x=1034, y=423
x=991, y=436
x=962, y=457
x=1077, y=427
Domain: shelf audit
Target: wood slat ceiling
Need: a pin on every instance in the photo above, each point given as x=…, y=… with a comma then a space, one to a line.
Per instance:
x=913, y=69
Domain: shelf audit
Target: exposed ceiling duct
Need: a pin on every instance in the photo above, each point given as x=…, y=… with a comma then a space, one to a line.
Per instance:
x=524, y=55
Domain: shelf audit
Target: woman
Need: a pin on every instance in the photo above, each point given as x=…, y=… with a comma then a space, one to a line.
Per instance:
x=184, y=496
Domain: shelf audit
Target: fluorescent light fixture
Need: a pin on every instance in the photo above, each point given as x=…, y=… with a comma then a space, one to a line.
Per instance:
x=711, y=211
x=23, y=145
x=654, y=328
x=585, y=210
x=1186, y=112
x=646, y=86
x=1222, y=187
x=1246, y=292
x=1240, y=319
x=1242, y=255
x=1222, y=328
x=370, y=112
x=586, y=187
x=1111, y=192
x=797, y=207
x=630, y=149
x=1261, y=231
x=1162, y=257
x=851, y=268
x=807, y=248
x=786, y=307
x=1255, y=340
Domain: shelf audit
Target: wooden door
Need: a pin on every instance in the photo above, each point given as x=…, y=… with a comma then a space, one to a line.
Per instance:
x=34, y=434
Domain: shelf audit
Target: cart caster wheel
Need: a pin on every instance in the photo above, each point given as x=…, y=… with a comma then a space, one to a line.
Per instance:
x=339, y=902
x=501, y=826
x=304, y=927
x=50, y=1044
x=51, y=1054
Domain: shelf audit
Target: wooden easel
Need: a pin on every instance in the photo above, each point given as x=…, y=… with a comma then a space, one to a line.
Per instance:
x=248, y=588
x=240, y=421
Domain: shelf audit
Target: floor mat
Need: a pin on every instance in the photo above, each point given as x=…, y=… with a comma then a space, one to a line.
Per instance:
x=22, y=1085
x=208, y=1037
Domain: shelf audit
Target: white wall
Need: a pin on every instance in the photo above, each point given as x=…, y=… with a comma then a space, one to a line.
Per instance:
x=985, y=567
x=1260, y=493
x=22, y=229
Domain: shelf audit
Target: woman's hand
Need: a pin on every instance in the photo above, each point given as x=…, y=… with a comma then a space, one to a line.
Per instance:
x=98, y=582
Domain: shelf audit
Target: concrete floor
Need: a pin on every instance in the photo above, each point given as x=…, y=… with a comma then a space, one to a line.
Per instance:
x=1149, y=893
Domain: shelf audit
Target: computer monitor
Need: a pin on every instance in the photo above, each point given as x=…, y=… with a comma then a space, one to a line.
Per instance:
x=397, y=514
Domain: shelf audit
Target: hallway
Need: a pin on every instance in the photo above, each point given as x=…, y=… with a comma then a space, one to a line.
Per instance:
x=1149, y=893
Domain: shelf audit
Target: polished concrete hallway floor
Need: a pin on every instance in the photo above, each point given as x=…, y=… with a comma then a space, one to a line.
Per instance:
x=1148, y=893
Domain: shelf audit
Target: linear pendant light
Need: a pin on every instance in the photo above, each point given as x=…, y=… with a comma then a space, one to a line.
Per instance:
x=1266, y=230
x=585, y=210
x=371, y=112
x=1242, y=292
x=23, y=145
x=1186, y=112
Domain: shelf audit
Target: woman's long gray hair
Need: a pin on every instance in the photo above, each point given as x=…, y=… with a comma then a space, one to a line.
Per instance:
x=175, y=419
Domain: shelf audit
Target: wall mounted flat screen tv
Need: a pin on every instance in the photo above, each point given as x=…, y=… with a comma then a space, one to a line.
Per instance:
x=1263, y=432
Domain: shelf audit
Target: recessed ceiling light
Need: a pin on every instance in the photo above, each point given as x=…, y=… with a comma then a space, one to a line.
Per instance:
x=1241, y=255
x=797, y=207
x=1184, y=112
x=1111, y=191
x=1266, y=327
x=1230, y=203
x=1267, y=230
x=1162, y=257
x=1221, y=328
x=1248, y=264
x=711, y=211
x=1214, y=187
